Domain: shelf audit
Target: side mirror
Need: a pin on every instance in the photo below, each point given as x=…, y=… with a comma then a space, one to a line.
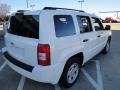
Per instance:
x=107, y=27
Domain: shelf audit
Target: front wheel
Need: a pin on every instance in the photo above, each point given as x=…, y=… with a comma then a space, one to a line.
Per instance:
x=70, y=73
x=107, y=48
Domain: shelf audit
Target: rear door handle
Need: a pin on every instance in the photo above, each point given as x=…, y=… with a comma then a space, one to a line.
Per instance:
x=85, y=40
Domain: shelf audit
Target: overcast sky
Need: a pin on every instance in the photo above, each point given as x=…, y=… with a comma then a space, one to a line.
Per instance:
x=91, y=6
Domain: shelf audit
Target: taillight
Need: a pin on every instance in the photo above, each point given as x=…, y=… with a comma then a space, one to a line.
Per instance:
x=43, y=54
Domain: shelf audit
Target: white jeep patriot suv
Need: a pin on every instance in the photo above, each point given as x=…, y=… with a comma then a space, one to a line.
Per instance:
x=52, y=44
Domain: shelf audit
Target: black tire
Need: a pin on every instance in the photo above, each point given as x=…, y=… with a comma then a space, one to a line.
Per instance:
x=66, y=75
x=107, y=48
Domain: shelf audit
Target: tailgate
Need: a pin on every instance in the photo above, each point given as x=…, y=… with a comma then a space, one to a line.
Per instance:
x=22, y=48
x=22, y=38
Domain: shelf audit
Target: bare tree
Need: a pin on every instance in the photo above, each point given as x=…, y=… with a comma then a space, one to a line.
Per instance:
x=4, y=9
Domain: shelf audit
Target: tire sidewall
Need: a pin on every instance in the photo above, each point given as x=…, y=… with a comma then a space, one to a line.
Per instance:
x=63, y=80
x=107, y=47
x=105, y=50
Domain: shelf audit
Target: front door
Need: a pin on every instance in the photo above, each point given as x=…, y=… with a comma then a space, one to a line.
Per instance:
x=101, y=34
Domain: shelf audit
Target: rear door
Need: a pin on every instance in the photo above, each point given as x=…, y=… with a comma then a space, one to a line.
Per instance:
x=22, y=38
x=87, y=36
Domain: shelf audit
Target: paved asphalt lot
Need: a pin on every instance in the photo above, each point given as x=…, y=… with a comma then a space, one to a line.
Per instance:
x=102, y=73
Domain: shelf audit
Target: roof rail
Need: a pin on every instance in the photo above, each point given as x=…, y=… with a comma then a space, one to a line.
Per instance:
x=22, y=10
x=55, y=8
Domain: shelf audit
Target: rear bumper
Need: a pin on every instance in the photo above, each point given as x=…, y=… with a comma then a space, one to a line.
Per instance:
x=46, y=74
x=18, y=63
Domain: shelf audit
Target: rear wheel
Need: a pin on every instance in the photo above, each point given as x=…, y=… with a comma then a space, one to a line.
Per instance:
x=70, y=73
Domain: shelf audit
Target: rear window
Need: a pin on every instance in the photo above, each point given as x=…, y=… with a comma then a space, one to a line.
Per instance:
x=24, y=25
x=64, y=25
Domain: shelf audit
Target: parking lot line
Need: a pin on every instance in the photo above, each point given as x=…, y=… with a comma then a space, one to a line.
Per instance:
x=57, y=87
x=2, y=66
x=93, y=82
x=99, y=76
x=99, y=84
x=21, y=83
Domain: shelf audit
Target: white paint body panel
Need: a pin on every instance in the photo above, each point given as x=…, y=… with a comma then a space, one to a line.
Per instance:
x=61, y=49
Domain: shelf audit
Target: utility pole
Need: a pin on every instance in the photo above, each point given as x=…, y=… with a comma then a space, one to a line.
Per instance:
x=81, y=1
x=32, y=6
x=27, y=3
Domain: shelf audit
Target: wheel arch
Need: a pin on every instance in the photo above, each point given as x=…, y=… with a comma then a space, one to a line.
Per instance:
x=78, y=55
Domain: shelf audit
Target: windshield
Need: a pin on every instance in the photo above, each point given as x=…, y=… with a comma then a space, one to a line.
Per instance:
x=24, y=25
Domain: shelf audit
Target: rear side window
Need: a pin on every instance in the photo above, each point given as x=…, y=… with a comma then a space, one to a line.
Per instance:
x=97, y=24
x=84, y=24
x=64, y=25
x=25, y=25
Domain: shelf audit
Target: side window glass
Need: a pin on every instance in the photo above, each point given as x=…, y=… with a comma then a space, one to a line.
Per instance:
x=84, y=24
x=64, y=25
x=97, y=24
